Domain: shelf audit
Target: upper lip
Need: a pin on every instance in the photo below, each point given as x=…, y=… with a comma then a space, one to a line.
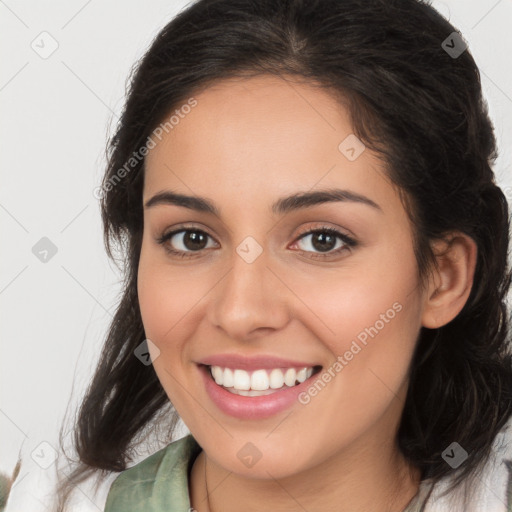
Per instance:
x=260, y=362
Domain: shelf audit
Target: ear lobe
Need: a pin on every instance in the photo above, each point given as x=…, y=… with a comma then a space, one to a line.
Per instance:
x=451, y=283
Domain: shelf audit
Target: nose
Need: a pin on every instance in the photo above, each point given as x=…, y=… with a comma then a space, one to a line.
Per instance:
x=250, y=301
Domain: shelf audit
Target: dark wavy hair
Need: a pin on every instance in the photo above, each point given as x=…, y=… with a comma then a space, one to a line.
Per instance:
x=421, y=110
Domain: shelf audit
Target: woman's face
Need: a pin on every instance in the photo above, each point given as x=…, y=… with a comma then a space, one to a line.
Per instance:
x=251, y=289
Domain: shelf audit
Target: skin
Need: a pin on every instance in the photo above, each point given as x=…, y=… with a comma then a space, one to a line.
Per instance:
x=247, y=143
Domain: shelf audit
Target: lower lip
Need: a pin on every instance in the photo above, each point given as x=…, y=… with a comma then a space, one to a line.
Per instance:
x=255, y=407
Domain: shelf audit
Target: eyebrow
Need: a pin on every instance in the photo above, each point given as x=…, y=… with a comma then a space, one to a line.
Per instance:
x=281, y=206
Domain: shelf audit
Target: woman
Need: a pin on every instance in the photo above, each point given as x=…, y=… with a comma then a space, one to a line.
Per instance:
x=316, y=265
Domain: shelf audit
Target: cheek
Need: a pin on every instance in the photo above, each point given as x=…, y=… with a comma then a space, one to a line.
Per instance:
x=375, y=318
x=166, y=297
x=369, y=321
x=372, y=298
x=166, y=303
x=160, y=312
x=172, y=304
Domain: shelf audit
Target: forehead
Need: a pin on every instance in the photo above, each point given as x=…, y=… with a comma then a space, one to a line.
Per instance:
x=277, y=96
x=249, y=113
x=263, y=134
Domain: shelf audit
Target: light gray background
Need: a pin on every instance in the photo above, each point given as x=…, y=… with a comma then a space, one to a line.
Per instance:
x=56, y=114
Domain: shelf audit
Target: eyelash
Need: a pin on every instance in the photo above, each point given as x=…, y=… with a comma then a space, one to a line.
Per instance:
x=347, y=241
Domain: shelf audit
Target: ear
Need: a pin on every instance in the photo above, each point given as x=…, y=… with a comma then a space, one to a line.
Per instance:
x=450, y=284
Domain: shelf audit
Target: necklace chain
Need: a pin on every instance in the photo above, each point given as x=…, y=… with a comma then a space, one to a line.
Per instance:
x=206, y=485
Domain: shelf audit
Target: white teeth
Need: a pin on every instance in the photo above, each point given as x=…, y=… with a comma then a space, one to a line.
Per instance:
x=301, y=374
x=250, y=392
x=228, y=378
x=259, y=382
x=241, y=379
x=290, y=377
x=276, y=379
x=218, y=375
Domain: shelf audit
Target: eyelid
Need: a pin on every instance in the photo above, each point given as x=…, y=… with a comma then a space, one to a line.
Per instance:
x=325, y=227
x=185, y=227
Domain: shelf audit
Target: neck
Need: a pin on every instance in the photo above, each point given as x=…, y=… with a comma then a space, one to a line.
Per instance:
x=379, y=480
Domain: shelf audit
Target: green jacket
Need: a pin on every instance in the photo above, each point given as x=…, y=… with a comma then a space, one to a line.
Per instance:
x=159, y=483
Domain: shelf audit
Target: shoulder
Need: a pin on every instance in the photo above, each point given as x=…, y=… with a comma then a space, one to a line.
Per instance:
x=493, y=488
x=155, y=481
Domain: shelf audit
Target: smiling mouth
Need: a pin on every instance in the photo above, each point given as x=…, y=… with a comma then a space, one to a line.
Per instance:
x=260, y=382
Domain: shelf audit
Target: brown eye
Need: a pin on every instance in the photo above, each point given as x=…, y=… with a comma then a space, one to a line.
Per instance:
x=326, y=241
x=194, y=240
x=322, y=241
x=185, y=241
